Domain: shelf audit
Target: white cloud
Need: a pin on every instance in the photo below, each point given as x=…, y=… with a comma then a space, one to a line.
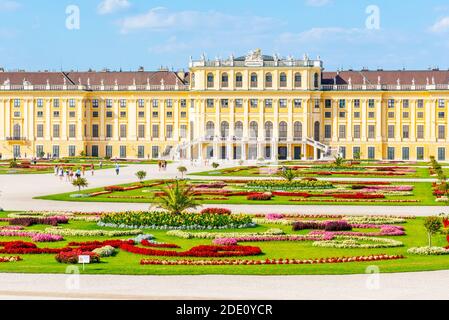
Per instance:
x=441, y=25
x=161, y=19
x=317, y=3
x=9, y=5
x=111, y=6
x=319, y=34
x=172, y=45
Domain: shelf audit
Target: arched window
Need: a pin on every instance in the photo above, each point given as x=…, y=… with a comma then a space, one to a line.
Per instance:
x=253, y=80
x=283, y=79
x=238, y=128
x=210, y=80
x=192, y=80
x=297, y=131
x=253, y=130
x=224, y=80
x=316, y=81
x=283, y=131
x=268, y=130
x=268, y=80
x=298, y=80
x=238, y=80
x=224, y=130
x=210, y=130
x=17, y=132
x=316, y=131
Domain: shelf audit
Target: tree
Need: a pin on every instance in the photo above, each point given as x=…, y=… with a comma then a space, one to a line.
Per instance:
x=339, y=161
x=215, y=165
x=80, y=183
x=288, y=174
x=357, y=155
x=141, y=175
x=432, y=225
x=177, y=198
x=182, y=170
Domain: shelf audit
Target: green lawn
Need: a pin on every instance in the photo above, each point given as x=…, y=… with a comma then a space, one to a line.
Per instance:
x=422, y=192
x=127, y=263
x=7, y=170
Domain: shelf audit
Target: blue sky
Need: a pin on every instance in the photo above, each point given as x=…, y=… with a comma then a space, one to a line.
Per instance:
x=127, y=34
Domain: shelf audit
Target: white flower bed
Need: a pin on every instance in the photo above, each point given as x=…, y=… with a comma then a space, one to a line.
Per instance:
x=91, y=233
x=428, y=251
x=348, y=242
x=215, y=235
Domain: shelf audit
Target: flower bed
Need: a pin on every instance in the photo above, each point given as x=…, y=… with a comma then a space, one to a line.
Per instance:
x=214, y=235
x=259, y=196
x=379, y=257
x=106, y=251
x=285, y=185
x=47, y=238
x=163, y=220
x=153, y=244
x=28, y=221
x=374, y=220
x=10, y=259
x=92, y=233
x=215, y=211
x=71, y=257
x=199, y=251
x=353, y=242
x=429, y=251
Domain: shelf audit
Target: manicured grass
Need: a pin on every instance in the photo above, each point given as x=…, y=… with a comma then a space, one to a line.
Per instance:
x=422, y=193
x=127, y=263
x=7, y=170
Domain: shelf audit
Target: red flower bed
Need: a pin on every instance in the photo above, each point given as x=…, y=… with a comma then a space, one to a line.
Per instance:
x=291, y=194
x=114, y=188
x=199, y=251
x=216, y=211
x=27, y=222
x=380, y=257
x=147, y=243
x=20, y=247
x=259, y=196
x=71, y=257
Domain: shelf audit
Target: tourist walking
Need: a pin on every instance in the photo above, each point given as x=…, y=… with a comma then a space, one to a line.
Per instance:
x=61, y=173
x=83, y=168
x=117, y=168
x=101, y=164
x=92, y=168
x=56, y=170
x=78, y=173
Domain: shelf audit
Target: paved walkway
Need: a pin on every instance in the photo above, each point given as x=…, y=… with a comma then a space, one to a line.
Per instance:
x=425, y=285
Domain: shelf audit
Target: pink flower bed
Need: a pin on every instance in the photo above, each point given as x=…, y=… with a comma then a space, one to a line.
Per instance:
x=47, y=238
x=274, y=216
x=385, y=230
x=267, y=238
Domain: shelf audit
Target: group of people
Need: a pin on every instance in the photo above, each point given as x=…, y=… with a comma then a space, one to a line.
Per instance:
x=162, y=165
x=70, y=174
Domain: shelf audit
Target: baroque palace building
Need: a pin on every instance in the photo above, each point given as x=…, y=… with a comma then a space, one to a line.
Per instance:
x=247, y=108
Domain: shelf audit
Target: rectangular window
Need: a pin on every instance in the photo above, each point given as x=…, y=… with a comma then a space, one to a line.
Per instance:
x=16, y=103
x=210, y=103
x=420, y=115
x=406, y=131
x=155, y=131
x=169, y=131
x=371, y=153
x=122, y=103
x=72, y=151
x=183, y=114
x=441, y=115
x=72, y=130
x=371, y=115
x=169, y=114
x=169, y=103
x=55, y=114
x=390, y=132
x=420, y=104
x=95, y=103
x=72, y=114
x=268, y=103
x=405, y=104
x=123, y=131
x=95, y=133
x=183, y=129
x=342, y=131
x=154, y=152
x=317, y=103
x=140, y=152
x=357, y=115
x=342, y=114
x=327, y=131
x=441, y=132
x=224, y=103
x=155, y=103
x=441, y=103
x=109, y=130
x=109, y=151
x=56, y=131
x=40, y=103
x=328, y=103
x=108, y=103
x=17, y=114
x=420, y=131
x=342, y=151
x=141, y=114
x=40, y=151
x=95, y=114
x=238, y=103
x=391, y=115
x=109, y=114
x=122, y=152
x=40, y=130
x=56, y=103
x=141, y=103
x=357, y=131
x=371, y=131
x=40, y=114
x=72, y=103
x=298, y=103
x=441, y=154
x=357, y=103
x=390, y=153
x=371, y=103
x=356, y=153
x=419, y=153
x=183, y=103
x=405, y=115
x=283, y=103
x=254, y=103
x=155, y=114
x=405, y=153
x=390, y=103
x=342, y=103
x=328, y=115
x=141, y=131
x=122, y=114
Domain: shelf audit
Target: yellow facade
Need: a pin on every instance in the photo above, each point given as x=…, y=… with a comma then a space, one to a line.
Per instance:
x=249, y=108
